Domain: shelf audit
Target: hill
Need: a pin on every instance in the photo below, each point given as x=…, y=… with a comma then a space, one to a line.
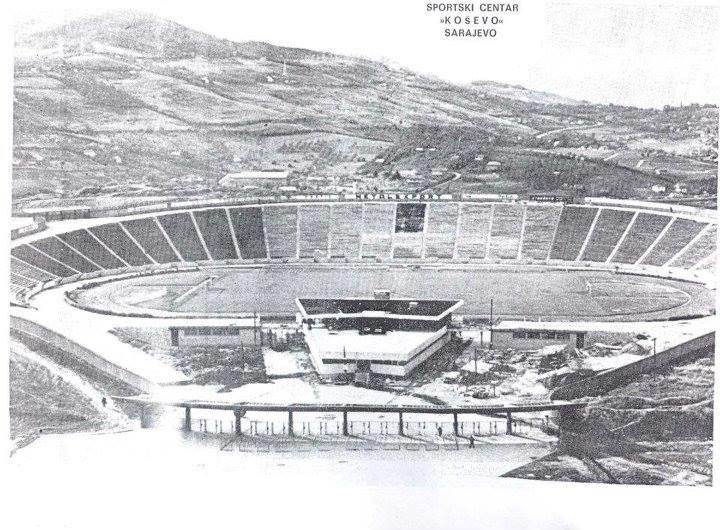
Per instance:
x=655, y=430
x=125, y=103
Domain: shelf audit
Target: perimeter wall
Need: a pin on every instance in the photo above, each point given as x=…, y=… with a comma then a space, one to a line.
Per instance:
x=601, y=383
x=37, y=332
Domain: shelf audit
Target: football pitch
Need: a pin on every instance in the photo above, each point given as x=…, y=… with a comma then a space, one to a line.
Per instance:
x=533, y=294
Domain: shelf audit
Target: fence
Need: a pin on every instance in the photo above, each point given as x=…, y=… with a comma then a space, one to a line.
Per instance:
x=334, y=429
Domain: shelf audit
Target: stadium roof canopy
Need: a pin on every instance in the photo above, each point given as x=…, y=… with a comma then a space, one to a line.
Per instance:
x=403, y=309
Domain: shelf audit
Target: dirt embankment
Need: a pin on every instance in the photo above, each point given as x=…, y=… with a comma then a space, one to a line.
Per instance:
x=655, y=430
x=52, y=392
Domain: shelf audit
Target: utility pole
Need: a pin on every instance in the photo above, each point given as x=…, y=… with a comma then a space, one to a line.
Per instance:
x=255, y=328
x=491, y=325
x=242, y=363
x=475, y=352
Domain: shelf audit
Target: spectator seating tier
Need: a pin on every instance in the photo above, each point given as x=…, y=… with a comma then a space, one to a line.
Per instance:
x=250, y=232
x=181, y=230
x=147, y=233
x=643, y=233
x=215, y=230
x=474, y=230
x=84, y=242
x=540, y=223
x=573, y=228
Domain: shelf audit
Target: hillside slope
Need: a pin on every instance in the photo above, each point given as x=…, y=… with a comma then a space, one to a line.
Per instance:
x=127, y=103
x=657, y=429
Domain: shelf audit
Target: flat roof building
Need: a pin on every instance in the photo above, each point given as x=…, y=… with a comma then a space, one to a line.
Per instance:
x=256, y=177
x=383, y=336
x=535, y=335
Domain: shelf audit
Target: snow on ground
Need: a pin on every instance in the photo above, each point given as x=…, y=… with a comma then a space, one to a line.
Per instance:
x=527, y=385
x=283, y=391
x=452, y=394
x=102, y=460
x=91, y=330
x=479, y=336
x=19, y=222
x=284, y=363
x=606, y=363
x=480, y=367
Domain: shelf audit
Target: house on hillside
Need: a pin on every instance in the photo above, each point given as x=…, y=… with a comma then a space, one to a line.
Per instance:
x=405, y=173
x=492, y=166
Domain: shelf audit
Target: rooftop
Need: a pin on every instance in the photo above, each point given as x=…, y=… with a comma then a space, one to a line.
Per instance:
x=255, y=175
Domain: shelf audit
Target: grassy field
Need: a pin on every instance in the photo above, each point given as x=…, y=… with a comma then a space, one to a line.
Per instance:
x=522, y=294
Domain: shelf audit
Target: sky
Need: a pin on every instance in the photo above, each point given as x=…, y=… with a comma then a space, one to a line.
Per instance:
x=632, y=52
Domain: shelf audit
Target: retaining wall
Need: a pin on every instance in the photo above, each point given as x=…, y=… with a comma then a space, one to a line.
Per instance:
x=601, y=383
x=43, y=334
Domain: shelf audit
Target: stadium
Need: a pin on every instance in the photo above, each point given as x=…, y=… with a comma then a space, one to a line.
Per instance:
x=662, y=254
x=96, y=284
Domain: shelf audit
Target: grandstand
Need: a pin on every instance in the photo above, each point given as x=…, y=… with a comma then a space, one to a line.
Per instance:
x=34, y=257
x=249, y=230
x=572, y=231
x=314, y=230
x=474, y=228
x=608, y=234
x=643, y=232
x=149, y=235
x=345, y=230
x=215, y=230
x=281, y=230
x=539, y=230
x=82, y=241
x=678, y=235
x=59, y=251
x=28, y=271
x=708, y=264
x=701, y=248
x=378, y=228
x=609, y=228
x=506, y=230
x=409, y=224
x=114, y=238
x=182, y=233
x=440, y=230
